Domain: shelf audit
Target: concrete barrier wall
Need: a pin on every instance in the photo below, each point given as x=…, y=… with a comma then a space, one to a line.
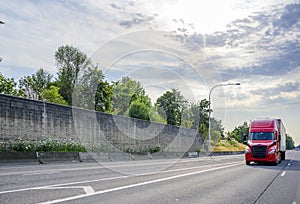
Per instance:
x=37, y=120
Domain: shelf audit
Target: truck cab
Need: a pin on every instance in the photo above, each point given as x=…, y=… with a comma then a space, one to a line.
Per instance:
x=266, y=141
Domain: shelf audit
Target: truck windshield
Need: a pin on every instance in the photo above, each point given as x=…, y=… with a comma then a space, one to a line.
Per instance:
x=262, y=136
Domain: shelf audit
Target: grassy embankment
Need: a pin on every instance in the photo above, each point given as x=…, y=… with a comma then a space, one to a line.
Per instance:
x=225, y=145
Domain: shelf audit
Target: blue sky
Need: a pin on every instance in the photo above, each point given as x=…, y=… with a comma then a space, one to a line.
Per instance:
x=189, y=45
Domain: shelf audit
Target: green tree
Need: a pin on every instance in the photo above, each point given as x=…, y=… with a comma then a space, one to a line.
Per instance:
x=8, y=86
x=200, y=121
x=289, y=142
x=187, y=117
x=25, y=84
x=52, y=95
x=170, y=106
x=126, y=91
x=103, y=98
x=88, y=88
x=155, y=116
x=195, y=115
x=34, y=85
x=215, y=136
x=69, y=61
x=139, y=110
x=239, y=132
x=199, y=115
x=217, y=125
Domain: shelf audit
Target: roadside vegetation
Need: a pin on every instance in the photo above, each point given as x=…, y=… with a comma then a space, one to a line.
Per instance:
x=49, y=145
x=78, y=76
x=228, y=145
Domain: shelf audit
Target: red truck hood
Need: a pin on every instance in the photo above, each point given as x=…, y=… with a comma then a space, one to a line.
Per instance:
x=261, y=142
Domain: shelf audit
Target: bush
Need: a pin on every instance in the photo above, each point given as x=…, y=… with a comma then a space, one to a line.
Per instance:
x=49, y=145
x=154, y=149
x=150, y=149
x=232, y=141
x=129, y=150
x=21, y=145
x=139, y=110
x=2, y=146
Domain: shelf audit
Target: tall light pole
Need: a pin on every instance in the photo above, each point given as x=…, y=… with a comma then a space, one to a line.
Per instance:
x=1, y=22
x=209, y=111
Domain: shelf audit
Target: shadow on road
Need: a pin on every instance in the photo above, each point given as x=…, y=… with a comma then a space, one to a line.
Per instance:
x=293, y=165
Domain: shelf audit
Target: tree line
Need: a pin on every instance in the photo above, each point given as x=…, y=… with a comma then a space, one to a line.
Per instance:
x=239, y=132
x=79, y=78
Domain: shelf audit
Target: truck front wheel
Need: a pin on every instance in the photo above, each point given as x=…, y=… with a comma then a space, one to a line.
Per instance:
x=282, y=155
x=247, y=163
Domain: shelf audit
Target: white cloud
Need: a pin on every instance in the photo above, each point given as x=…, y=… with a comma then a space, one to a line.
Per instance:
x=259, y=47
x=158, y=60
x=33, y=32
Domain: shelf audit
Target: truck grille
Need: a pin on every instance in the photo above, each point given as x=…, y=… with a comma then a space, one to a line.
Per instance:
x=259, y=151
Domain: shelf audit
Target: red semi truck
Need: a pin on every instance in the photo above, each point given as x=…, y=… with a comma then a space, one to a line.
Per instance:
x=266, y=141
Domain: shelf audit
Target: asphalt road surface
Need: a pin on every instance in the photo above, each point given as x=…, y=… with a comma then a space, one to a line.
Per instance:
x=218, y=179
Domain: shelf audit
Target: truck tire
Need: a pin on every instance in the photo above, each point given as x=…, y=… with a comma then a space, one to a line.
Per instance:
x=282, y=155
x=247, y=163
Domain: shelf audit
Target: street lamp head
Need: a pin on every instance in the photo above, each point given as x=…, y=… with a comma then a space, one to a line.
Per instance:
x=237, y=83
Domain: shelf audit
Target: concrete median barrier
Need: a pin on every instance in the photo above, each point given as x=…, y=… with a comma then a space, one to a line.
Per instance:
x=42, y=157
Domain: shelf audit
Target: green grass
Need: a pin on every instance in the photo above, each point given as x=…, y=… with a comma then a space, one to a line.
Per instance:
x=225, y=145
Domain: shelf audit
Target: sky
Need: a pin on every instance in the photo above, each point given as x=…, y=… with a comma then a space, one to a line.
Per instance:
x=188, y=45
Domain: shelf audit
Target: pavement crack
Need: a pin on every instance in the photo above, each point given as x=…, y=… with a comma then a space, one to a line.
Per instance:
x=266, y=188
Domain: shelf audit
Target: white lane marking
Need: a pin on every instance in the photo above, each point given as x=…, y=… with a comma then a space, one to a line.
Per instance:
x=283, y=173
x=109, y=178
x=43, y=171
x=58, y=185
x=138, y=184
x=87, y=189
x=39, y=173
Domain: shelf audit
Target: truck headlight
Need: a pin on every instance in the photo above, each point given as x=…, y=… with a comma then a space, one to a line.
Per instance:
x=272, y=151
x=247, y=150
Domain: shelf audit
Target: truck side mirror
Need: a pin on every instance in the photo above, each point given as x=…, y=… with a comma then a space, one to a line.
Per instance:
x=245, y=139
x=279, y=137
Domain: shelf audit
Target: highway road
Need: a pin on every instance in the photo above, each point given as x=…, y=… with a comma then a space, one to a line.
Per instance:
x=218, y=179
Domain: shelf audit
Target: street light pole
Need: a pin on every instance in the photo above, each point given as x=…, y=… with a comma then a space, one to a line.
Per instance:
x=1, y=22
x=209, y=111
